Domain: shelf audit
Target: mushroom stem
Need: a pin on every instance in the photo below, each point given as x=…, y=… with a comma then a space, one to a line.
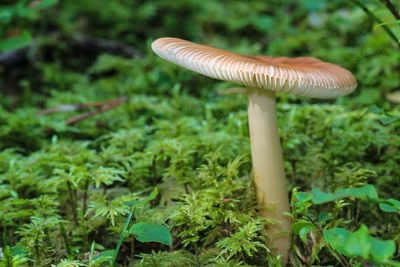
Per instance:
x=268, y=169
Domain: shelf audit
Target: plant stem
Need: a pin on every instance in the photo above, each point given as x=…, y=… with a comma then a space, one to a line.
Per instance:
x=5, y=241
x=85, y=197
x=73, y=203
x=377, y=20
x=122, y=237
x=154, y=168
x=389, y=5
x=268, y=169
x=64, y=236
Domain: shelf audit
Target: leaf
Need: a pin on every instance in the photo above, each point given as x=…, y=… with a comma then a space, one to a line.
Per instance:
x=105, y=255
x=323, y=217
x=387, y=207
x=5, y=15
x=263, y=23
x=19, y=250
x=336, y=238
x=150, y=232
x=302, y=228
x=386, y=119
x=366, y=192
x=360, y=244
x=387, y=23
x=303, y=196
x=136, y=202
x=304, y=232
x=375, y=109
x=390, y=205
x=45, y=4
x=320, y=197
x=15, y=42
x=382, y=250
x=357, y=244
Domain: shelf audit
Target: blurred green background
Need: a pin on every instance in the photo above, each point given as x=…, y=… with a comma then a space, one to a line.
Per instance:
x=337, y=31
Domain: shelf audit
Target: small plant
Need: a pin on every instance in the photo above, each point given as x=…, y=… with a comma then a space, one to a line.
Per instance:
x=143, y=232
x=311, y=227
x=13, y=257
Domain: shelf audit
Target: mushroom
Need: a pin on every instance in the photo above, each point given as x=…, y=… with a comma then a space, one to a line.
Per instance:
x=263, y=77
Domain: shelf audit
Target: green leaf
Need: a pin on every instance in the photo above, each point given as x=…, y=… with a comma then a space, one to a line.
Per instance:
x=5, y=15
x=374, y=109
x=366, y=192
x=387, y=207
x=105, y=255
x=263, y=23
x=390, y=205
x=302, y=228
x=360, y=244
x=387, y=23
x=386, y=119
x=320, y=197
x=323, y=217
x=136, y=202
x=382, y=250
x=15, y=42
x=336, y=238
x=45, y=4
x=357, y=244
x=304, y=232
x=303, y=196
x=19, y=250
x=150, y=232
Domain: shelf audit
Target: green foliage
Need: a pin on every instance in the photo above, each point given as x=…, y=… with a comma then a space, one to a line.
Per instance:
x=361, y=244
x=13, y=257
x=384, y=117
x=246, y=241
x=367, y=192
x=358, y=244
x=16, y=18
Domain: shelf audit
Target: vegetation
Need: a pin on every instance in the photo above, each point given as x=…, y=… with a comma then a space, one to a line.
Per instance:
x=110, y=156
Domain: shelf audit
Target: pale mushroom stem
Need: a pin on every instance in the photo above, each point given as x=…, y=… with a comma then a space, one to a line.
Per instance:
x=268, y=169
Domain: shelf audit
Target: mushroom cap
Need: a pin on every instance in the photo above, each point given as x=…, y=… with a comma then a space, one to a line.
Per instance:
x=306, y=76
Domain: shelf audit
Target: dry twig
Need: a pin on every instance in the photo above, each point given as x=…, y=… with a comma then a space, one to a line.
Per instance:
x=100, y=107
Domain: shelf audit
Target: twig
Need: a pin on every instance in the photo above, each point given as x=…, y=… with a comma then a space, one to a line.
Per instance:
x=99, y=45
x=391, y=8
x=105, y=107
x=74, y=107
x=377, y=20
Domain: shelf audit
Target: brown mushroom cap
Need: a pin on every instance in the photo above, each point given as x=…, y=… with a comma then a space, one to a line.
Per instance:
x=305, y=76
